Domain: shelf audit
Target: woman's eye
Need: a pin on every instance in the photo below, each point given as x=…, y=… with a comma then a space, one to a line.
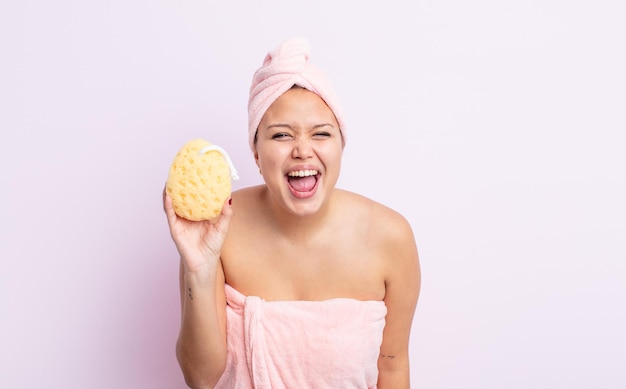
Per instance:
x=280, y=135
x=322, y=134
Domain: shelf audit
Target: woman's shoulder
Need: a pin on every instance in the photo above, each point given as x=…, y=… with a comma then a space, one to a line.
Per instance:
x=246, y=205
x=385, y=219
x=361, y=203
x=248, y=195
x=254, y=190
x=388, y=233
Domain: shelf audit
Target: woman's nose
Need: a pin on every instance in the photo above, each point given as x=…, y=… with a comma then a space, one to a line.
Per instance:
x=302, y=149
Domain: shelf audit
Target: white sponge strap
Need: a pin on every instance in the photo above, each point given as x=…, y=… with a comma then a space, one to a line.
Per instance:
x=233, y=171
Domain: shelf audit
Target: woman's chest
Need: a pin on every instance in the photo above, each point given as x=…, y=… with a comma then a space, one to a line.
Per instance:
x=305, y=272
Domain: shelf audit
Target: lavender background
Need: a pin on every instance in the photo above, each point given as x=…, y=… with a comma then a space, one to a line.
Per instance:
x=495, y=127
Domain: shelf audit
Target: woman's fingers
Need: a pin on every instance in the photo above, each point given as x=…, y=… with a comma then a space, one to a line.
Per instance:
x=224, y=219
x=206, y=236
x=164, y=198
x=169, y=209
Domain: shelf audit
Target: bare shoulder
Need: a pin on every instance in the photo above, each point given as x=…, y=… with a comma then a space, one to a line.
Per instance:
x=385, y=223
x=246, y=201
x=246, y=214
x=248, y=194
x=390, y=236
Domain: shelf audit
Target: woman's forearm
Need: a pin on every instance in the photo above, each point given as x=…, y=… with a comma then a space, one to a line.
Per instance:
x=201, y=346
x=393, y=380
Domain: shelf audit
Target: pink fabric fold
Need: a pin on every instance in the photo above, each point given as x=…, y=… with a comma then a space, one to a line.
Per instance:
x=302, y=344
x=288, y=65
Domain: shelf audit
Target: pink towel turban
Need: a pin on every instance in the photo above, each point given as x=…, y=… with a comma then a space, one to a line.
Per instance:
x=286, y=66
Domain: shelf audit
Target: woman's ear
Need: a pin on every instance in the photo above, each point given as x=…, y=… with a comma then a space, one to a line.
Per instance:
x=256, y=160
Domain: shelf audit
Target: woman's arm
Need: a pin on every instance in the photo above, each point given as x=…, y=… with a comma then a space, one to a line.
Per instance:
x=402, y=285
x=201, y=346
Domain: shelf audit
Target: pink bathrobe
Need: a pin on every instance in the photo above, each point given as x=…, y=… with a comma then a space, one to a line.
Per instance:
x=302, y=344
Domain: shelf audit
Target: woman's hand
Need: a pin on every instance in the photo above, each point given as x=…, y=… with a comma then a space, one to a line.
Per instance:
x=199, y=243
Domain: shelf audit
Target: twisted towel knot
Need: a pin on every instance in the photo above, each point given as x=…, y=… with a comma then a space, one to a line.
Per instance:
x=286, y=66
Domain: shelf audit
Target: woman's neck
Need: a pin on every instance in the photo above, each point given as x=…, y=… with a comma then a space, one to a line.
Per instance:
x=297, y=228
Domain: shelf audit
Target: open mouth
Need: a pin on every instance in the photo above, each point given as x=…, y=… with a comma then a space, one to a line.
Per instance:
x=303, y=181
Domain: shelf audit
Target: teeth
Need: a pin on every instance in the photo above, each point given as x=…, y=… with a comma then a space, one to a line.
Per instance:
x=303, y=173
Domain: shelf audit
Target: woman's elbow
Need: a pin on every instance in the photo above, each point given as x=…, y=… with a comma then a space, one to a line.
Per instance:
x=195, y=383
x=196, y=379
x=200, y=375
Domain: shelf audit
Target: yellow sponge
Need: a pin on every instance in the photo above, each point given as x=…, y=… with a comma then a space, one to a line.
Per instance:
x=199, y=180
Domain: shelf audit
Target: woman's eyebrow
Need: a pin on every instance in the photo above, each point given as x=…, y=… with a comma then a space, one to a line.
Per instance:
x=279, y=125
x=323, y=125
x=284, y=125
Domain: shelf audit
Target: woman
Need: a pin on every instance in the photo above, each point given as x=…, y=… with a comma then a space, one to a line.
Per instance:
x=298, y=284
